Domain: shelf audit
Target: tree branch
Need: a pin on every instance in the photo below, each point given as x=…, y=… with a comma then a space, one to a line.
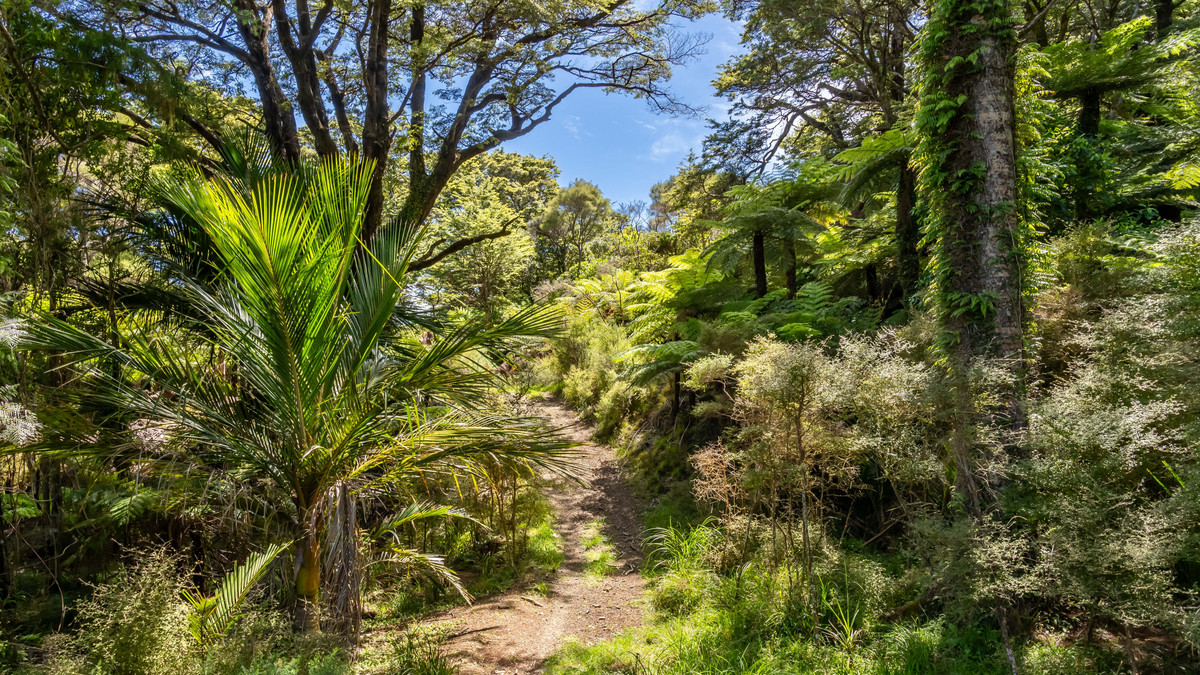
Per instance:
x=431, y=260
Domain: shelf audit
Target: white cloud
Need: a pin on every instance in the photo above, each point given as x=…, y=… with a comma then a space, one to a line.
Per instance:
x=573, y=125
x=671, y=145
x=667, y=146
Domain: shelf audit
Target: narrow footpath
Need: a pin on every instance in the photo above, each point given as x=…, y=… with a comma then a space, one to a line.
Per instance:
x=514, y=633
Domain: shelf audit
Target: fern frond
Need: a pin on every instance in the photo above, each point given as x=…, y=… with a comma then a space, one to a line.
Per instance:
x=1184, y=176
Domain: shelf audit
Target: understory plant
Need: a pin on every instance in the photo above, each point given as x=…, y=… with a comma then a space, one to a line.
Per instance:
x=289, y=371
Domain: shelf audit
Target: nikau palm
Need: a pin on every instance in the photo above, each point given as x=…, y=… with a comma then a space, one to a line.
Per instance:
x=295, y=380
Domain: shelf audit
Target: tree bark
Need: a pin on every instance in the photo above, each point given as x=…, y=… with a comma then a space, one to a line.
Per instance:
x=308, y=583
x=792, y=282
x=1164, y=16
x=376, y=136
x=1034, y=13
x=1088, y=128
x=809, y=580
x=759, y=255
x=981, y=228
x=972, y=192
x=908, y=235
x=871, y=277
x=299, y=52
x=255, y=29
x=1089, y=113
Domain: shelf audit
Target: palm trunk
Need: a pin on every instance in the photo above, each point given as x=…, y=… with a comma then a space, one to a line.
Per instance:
x=308, y=583
x=343, y=571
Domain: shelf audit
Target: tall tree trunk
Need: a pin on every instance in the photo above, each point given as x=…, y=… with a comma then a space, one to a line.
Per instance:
x=974, y=185
x=1033, y=12
x=255, y=28
x=1164, y=16
x=792, y=282
x=972, y=193
x=759, y=255
x=1089, y=113
x=809, y=580
x=908, y=235
x=376, y=136
x=1087, y=128
x=5, y=573
x=300, y=54
x=871, y=277
x=967, y=120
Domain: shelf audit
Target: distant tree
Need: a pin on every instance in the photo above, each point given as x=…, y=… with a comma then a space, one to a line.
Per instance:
x=689, y=202
x=500, y=191
x=576, y=216
x=822, y=77
x=775, y=222
x=838, y=67
x=1133, y=124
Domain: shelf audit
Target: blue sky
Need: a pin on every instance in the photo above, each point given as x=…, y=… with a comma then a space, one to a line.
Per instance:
x=617, y=142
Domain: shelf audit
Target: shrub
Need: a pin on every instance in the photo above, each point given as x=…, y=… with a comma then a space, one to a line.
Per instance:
x=582, y=388
x=612, y=407
x=135, y=624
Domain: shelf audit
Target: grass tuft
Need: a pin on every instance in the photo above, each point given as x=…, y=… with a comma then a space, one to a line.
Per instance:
x=600, y=559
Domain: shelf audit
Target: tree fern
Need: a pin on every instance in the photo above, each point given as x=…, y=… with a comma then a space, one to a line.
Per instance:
x=814, y=298
x=130, y=507
x=648, y=362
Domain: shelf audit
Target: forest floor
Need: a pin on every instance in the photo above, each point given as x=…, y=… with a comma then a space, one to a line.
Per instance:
x=594, y=594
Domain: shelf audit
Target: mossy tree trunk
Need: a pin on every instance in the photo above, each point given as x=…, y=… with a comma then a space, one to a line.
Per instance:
x=967, y=121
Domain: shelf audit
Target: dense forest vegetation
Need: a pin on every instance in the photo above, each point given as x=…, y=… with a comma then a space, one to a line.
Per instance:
x=905, y=360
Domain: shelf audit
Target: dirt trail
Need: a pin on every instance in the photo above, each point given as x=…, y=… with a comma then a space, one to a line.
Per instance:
x=510, y=634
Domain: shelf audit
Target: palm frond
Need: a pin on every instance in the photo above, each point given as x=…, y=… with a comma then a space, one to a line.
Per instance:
x=420, y=511
x=212, y=616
